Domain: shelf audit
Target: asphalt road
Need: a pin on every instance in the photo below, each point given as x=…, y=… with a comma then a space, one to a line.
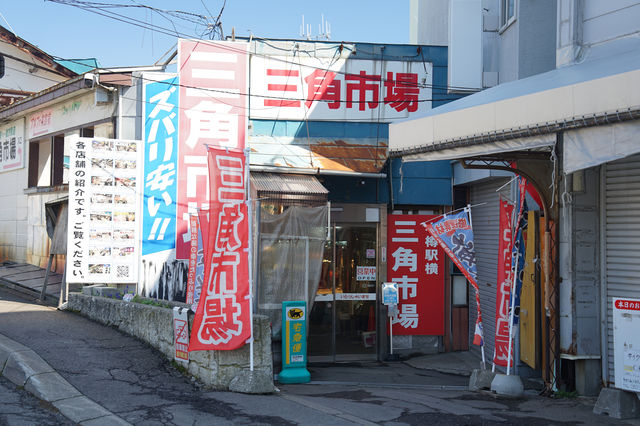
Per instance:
x=138, y=384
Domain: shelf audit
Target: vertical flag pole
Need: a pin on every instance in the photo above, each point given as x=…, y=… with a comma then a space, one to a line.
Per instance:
x=484, y=367
x=391, y=335
x=513, y=305
x=249, y=202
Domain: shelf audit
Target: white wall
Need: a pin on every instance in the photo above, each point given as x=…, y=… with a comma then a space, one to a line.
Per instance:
x=21, y=76
x=429, y=22
x=13, y=215
x=604, y=21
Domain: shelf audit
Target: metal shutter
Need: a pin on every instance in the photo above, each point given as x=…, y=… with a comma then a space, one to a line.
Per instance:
x=622, y=238
x=486, y=236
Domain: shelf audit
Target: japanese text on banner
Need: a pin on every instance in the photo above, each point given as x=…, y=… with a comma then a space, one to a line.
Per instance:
x=213, y=110
x=416, y=265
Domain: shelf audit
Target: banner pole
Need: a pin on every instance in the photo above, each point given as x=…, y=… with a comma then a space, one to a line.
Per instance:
x=250, y=220
x=468, y=209
x=391, y=335
x=511, y=314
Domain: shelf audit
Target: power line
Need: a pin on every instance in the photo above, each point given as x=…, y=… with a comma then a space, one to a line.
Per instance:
x=77, y=3
x=225, y=92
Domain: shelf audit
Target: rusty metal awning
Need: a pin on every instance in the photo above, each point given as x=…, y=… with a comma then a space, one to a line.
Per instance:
x=288, y=187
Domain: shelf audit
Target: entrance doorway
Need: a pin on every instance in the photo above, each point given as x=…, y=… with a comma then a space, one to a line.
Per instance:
x=343, y=318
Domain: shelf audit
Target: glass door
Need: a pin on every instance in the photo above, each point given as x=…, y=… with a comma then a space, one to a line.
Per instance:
x=343, y=318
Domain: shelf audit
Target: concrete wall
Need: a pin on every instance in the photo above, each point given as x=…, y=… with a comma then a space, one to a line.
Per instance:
x=13, y=216
x=537, y=41
x=154, y=325
x=429, y=22
x=604, y=21
x=585, y=23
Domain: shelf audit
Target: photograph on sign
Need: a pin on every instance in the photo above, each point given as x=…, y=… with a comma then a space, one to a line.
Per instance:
x=104, y=213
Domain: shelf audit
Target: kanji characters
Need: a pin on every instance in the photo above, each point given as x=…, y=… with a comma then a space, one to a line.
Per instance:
x=364, y=83
x=463, y=249
x=402, y=92
x=321, y=86
x=220, y=320
x=405, y=258
x=408, y=316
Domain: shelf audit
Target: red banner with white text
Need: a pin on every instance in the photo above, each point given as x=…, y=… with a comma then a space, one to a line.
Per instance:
x=222, y=320
x=505, y=279
x=416, y=265
x=213, y=105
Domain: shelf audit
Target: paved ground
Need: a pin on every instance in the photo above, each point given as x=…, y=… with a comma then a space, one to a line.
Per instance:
x=138, y=386
x=19, y=407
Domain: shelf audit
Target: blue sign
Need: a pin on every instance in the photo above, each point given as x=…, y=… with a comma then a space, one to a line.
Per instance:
x=294, y=343
x=389, y=294
x=160, y=165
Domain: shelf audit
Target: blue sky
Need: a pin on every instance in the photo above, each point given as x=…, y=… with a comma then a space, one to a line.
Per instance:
x=68, y=32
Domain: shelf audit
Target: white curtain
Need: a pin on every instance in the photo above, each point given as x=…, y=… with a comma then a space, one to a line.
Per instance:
x=291, y=250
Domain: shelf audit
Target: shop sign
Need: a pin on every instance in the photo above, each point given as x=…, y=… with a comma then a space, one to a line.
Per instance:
x=104, y=191
x=40, y=123
x=365, y=273
x=181, y=334
x=626, y=343
x=353, y=296
x=213, y=111
x=294, y=340
x=72, y=113
x=336, y=88
x=389, y=294
x=12, y=145
x=160, y=164
x=416, y=265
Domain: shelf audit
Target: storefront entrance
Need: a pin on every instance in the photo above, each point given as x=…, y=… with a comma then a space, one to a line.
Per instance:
x=343, y=318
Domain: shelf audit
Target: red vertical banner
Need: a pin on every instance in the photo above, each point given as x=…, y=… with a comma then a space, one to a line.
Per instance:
x=222, y=320
x=505, y=279
x=416, y=264
x=213, y=105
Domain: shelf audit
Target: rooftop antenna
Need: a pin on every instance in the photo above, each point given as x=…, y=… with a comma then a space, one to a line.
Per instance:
x=324, y=30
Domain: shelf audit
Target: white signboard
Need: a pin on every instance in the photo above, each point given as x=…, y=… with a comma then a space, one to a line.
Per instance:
x=12, y=146
x=104, y=191
x=336, y=88
x=365, y=273
x=626, y=343
x=71, y=113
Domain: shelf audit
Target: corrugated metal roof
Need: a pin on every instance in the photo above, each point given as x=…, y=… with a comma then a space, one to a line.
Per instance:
x=281, y=183
x=362, y=155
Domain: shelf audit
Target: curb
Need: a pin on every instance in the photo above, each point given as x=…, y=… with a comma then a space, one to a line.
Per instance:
x=25, y=368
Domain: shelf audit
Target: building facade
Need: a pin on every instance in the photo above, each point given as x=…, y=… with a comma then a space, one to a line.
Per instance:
x=566, y=128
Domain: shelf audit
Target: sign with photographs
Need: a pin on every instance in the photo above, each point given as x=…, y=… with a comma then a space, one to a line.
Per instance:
x=104, y=189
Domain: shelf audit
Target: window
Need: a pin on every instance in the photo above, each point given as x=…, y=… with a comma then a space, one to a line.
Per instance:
x=507, y=12
x=49, y=160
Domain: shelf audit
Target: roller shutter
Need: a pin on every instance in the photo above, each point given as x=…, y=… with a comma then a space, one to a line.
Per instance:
x=485, y=216
x=622, y=238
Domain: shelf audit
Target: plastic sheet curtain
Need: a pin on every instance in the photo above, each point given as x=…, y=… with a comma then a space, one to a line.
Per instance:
x=290, y=254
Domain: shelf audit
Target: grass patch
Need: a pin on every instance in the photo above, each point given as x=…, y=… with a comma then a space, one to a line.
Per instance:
x=565, y=394
x=150, y=302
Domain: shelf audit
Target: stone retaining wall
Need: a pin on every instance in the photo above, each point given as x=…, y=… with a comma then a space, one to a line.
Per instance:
x=153, y=325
